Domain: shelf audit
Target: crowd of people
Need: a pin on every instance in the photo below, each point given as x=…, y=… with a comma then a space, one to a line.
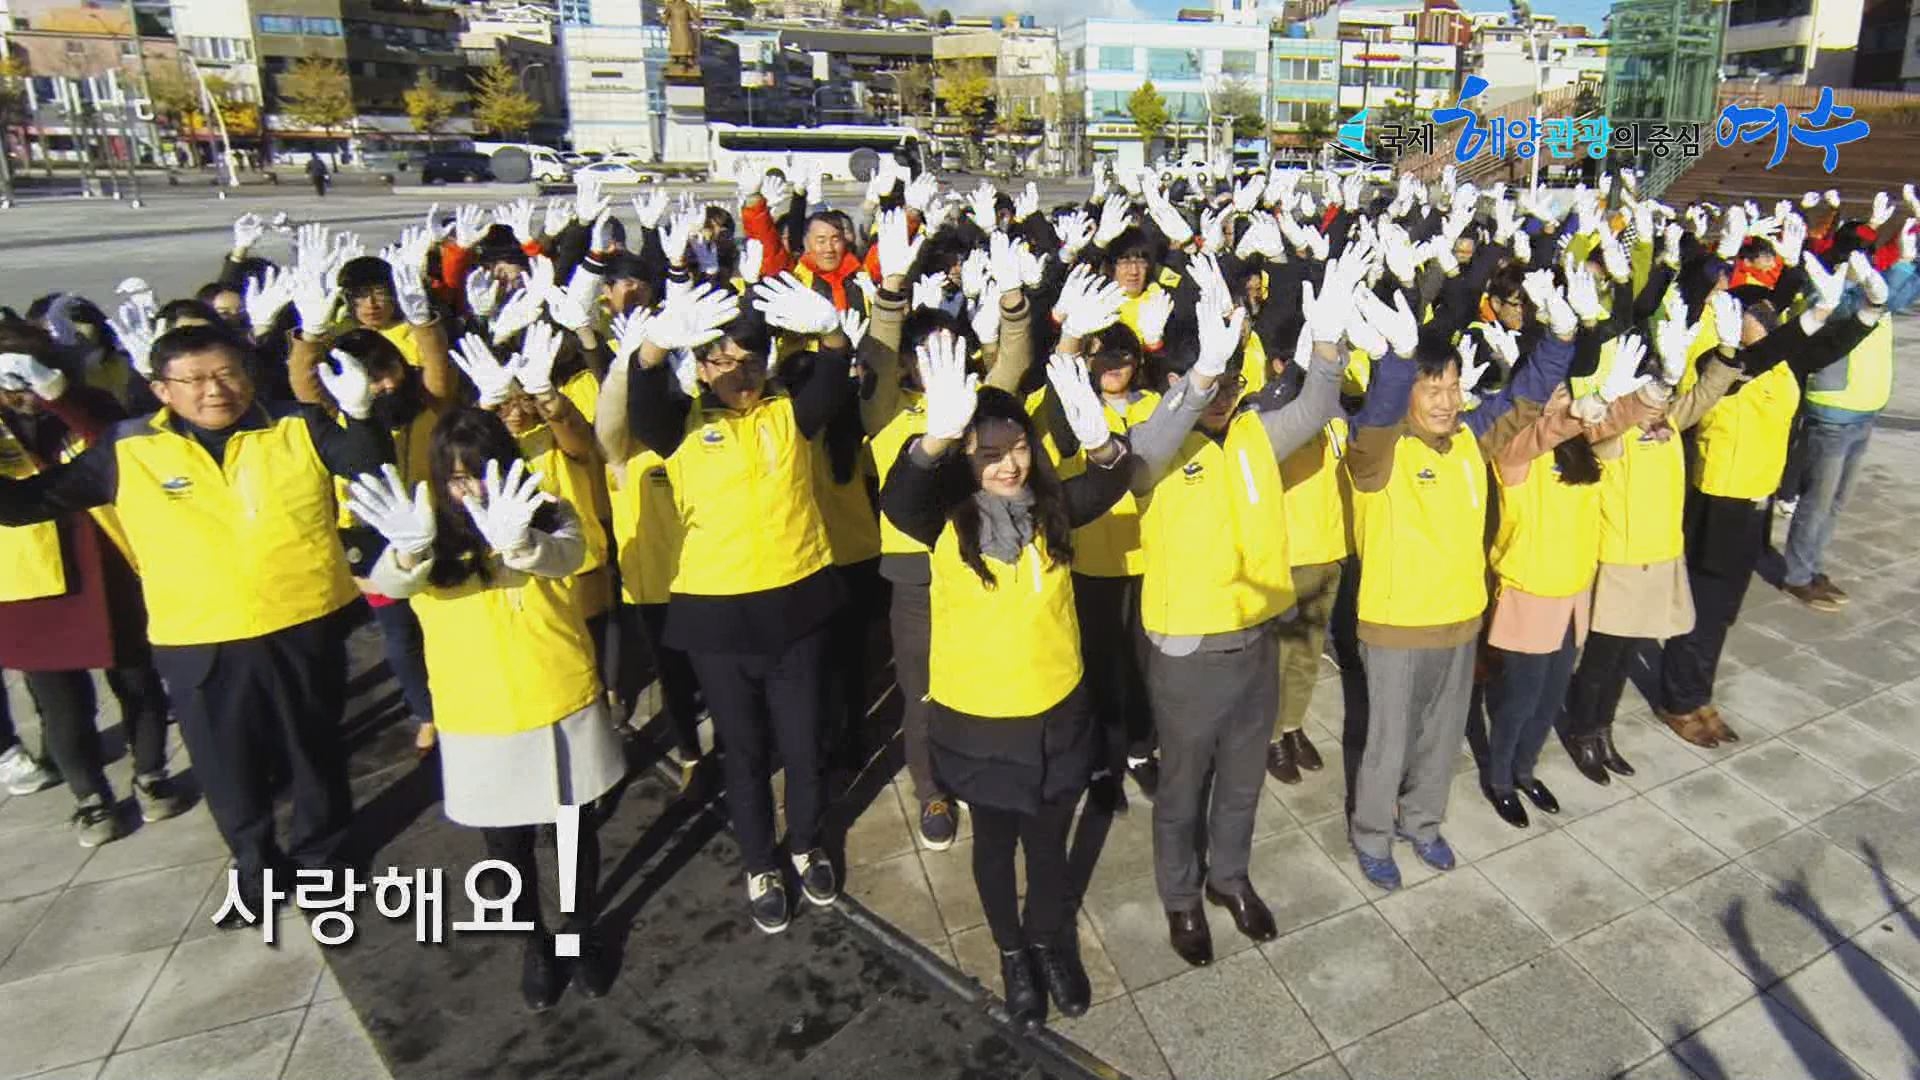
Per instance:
x=1114, y=473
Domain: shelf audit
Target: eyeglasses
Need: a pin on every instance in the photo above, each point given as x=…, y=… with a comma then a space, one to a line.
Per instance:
x=228, y=378
x=726, y=365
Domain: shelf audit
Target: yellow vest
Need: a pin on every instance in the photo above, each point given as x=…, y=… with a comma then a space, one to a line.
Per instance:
x=505, y=657
x=233, y=549
x=853, y=525
x=1427, y=532
x=1318, y=494
x=411, y=455
x=1643, y=496
x=1130, y=307
x=743, y=483
x=1007, y=652
x=647, y=531
x=401, y=335
x=1548, y=542
x=1584, y=385
x=1253, y=365
x=31, y=564
x=1868, y=371
x=1109, y=546
x=886, y=445
x=1742, y=441
x=583, y=389
x=1214, y=531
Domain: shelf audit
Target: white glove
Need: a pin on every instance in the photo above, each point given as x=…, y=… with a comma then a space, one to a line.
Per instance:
x=1113, y=222
x=590, y=203
x=410, y=296
x=483, y=293
x=897, y=252
x=20, y=370
x=1673, y=339
x=1209, y=282
x=673, y=237
x=1028, y=203
x=693, y=317
x=1538, y=286
x=752, y=255
x=1908, y=196
x=1882, y=210
x=986, y=323
x=136, y=327
x=1560, y=317
x=1502, y=344
x=1326, y=314
x=975, y=270
x=1613, y=257
x=520, y=310
x=1727, y=319
x=1261, y=237
x=1172, y=225
x=1869, y=279
x=346, y=381
x=1812, y=199
x=264, y=296
x=1088, y=303
x=629, y=332
x=854, y=325
x=381, y=501
x=1793, y=239
x=313, y=298
x=1733, y=232
x=247, y=230
x=1075, y=231
x=1004, y=271
x=1828, y=287
x=1246, y=195
x=651, y=206
x=1623, y=378
x=532, y=366
x=1280, y=187
x=1670, y=245
x=506, y=520
x=1220, y=334
x=1395, y=323
x=573, y=306
x=921, y=192
x=1470, y=372
x=1152, y=314
x=980, y=204
x=929, y=292
x=788, y=304
x=951, y=392
x=1213, y=230
x=558, y=216
x=1397, y=247
x=1583, y=294
x=773, y=189
x=1360, y=333
x=488, y=375
x=469, y=224
x=516, y=215
x=1074, y=390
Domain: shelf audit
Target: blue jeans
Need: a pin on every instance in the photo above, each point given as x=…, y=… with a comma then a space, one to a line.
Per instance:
x=1833, y=452
x=1524, y=703
x=406, y=656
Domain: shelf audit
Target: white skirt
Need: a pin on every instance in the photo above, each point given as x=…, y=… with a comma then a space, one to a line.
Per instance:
x=495, y=781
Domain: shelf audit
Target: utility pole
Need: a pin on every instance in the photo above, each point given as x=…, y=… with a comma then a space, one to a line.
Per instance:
x=140, y=69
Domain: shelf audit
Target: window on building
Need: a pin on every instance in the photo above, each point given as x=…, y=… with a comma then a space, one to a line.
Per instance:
x=1237, y=62
x=1109, y=106
x=1288, y=112
x=1790, y=58
x=322, y=27
x=1116, y=58
x=1744, y=12
x=606, y=74
x=1173, y=63
x=1436, y=80
x=277, y=24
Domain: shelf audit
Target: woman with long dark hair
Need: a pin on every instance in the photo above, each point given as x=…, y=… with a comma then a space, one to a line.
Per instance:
x=484, y=555
x=1011, y=727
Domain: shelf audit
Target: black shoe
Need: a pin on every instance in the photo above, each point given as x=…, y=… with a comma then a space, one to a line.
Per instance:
x=1108, y=794
x=1281, y=764
x=1588, y=758
x=1250, y=914
x=1065, y=978
x=1610, y=755
x=1509, y=808
x=817, y=880
x=593, y=969
x=1537, y=793
x=1026, y=1002
x=938, y=826
x=1191, y=937
x=767, y=902
x=1147, y=775
x=540, y=982
x=1303, y=751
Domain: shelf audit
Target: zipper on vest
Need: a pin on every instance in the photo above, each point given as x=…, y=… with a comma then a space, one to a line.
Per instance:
x=1246, y=474
x=1036, y=567
x=1466, y=470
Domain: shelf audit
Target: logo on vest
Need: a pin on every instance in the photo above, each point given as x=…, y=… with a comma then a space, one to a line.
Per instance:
x=658, y=475
x=177, y=488
x=713, y=438
x=1193, y=471
x=1425, y=476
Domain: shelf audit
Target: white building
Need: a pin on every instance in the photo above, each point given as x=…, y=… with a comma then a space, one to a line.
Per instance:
x=1503, y=55
x=1189, y=64
x=615, y=97
x=1397, y=70
x=1806, y=42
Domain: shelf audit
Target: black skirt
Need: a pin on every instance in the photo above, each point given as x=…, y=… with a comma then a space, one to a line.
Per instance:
x=1015, y=764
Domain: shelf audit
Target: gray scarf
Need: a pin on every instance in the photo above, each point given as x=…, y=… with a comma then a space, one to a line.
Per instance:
x=1006, y=524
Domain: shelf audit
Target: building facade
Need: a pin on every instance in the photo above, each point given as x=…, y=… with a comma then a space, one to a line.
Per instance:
x=612, y=63
x=1804, y=42
x=1189, y=65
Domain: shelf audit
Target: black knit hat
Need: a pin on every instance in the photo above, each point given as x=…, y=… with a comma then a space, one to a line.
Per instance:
x=366, y=272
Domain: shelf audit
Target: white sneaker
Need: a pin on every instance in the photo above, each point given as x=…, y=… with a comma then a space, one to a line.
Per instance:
x=22, y=774
x=1786, y=506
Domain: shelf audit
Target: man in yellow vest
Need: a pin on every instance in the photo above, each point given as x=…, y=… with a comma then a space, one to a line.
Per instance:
x=1418, y=463
x=1216, y=585
x=1837, y=419
x=228, y=508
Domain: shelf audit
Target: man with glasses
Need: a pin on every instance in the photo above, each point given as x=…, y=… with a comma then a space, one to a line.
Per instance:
x=228, y=511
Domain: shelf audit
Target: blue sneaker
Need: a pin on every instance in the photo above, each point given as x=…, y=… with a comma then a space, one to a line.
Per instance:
x=1435, y=853
x=1380, y=871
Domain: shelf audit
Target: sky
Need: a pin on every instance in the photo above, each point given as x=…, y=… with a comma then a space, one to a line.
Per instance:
x=1054, y=12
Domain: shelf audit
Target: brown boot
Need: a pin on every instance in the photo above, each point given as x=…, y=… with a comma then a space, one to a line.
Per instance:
x=1831, y=591
x=1717, y=724
x=1690, y=726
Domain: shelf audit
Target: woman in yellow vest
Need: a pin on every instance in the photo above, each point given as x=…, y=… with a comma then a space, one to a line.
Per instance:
x=1011, y=728
x=1740, y=455
x=70, y=603
x=754, y=593
x=483, y=554
x=1640, y=594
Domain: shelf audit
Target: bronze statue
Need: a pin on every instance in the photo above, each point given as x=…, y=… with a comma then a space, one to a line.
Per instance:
x=683, y=41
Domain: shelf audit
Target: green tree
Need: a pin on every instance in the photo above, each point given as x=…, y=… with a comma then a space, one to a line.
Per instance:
x=500, y=106
x=318, y=94
x=966, y=91
x=943, y=18
x=742, y=8
x=1316, y=124
x=175, y=96
x=1149, y=112
x=428, y=106
x=1241, y=101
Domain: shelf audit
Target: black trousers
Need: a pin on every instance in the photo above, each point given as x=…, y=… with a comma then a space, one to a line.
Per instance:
x=1049, y=912
x=850, y=629
x=1599, y=680
x=910, y=618
x=67, y=705
x=263, y=707
x=760, y=703
x=515, y=845
x=1725, y=539
x=1112, y=645
x=643, y=657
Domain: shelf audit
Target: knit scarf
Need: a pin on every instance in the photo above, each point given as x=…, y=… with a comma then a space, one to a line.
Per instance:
x=1006, y=524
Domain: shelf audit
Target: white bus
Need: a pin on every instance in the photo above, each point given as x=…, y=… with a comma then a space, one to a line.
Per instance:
x=837, y=151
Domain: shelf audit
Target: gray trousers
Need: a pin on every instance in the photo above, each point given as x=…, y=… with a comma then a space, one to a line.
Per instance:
x=1416, y=716
x=1214, y=713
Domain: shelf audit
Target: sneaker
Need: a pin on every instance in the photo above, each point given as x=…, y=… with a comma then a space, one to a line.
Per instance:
x=1381, y=872
x=938, y=825
x=1436, y=853
x=1146, y=773
x=95, y=823
x=817, y=879
x=22, y=774
x=158, y=797
x=1812, y=596
x=767, y=901
x=1832, y=592
x=1786, y=506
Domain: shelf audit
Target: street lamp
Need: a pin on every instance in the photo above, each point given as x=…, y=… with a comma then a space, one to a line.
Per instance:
x=220, y=121
x=527, y=135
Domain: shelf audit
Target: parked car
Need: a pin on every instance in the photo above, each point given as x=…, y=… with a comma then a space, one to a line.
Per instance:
x=614, y=172
x=454, y=166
